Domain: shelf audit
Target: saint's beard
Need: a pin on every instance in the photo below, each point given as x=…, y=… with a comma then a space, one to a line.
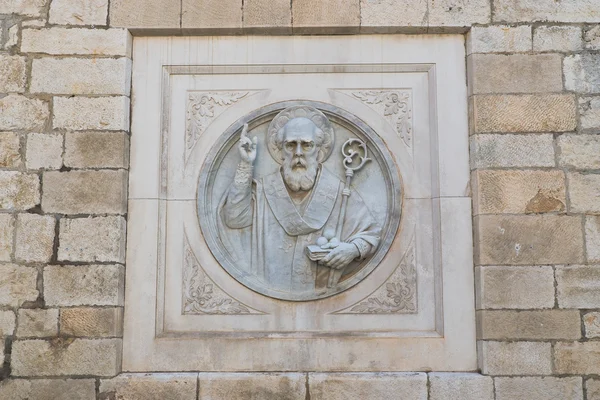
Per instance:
x=300, y=173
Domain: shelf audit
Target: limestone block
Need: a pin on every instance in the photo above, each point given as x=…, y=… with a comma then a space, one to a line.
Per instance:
x=516, y=73
x=7, y=324
x=514, y=287
x=592, y=238
x=30, y=8
x=151, y=387
x=578, y=286
x=589, y=112
x=275, y=15
x=591, y=38
x=9, y=150
x=37, y=322
x=81, y=76
x=91, y=322
x=94, y=285
x=459, y=12
x=498, y=151
x=577, y=358
x=284, y=386
x=60, y=41
x=96, y=149
x=591, y=322
x=546, y=10
x=98, y=357
x=341, y=16
x=524, y=113
x=557, y=38
x=78, y=12
x=518, y=191
x=44, y=151
x=593, y=389
x=7, y=230
x=92, y=239
x=212, y=14
x=539, y=388
x=453, y=386
x=579, y=151
x=382, y=385
x=152, y=14
x=383, y=16
x=85, y=192
x=48, y=389
x=12, y=74
x=13, y=37
x=499, y=39
x=584, y=192
x=18, y=190
x=582, y=73
x=35, y=237
x=33, y=23
x=528, y=239
x=515, y=325
x=22, y=113
x=84, y=113
x=18, y=284
x=515, y=358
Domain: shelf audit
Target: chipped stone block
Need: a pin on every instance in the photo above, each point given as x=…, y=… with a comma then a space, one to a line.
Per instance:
x=7, y=325
x=335, y=15
x=96, y=149
x=268, y=14
x=91, y=322
x=13, y=37
x=152, y=387
x=546, y=11
x=458, y=13
x=153, y=14
x=533, y=325
x=385, y=16
x=582, y=73
x=212, y=14
x=578, y=286
x=9, y=150
x=80, y=41
x=92, y=239
x=515, y=358
x=579, y=151
x=499, y=39
x=78, y=12
x=29, y=8
x=584, y=192
x=81, y=285
x=591, y=38
x=22, y=113
x=557, y=38
x=34, y=237
x=18, y=284
x=592, y=238
x=98, y=113
x=454, y=386
x=37, y=322
x=12, y=74
x=591, y=321
x=382, y=385
x=18, y=190
x=497, y=151
x=7, y=230
x=577, y=358
x=589, y=112
x=44, y=151
x=539, y=388
x=48, y=389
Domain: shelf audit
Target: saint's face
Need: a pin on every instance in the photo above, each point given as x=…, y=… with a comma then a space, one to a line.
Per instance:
x=300, y=153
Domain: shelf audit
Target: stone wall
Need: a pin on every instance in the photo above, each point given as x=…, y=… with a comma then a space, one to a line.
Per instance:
x=534, y=82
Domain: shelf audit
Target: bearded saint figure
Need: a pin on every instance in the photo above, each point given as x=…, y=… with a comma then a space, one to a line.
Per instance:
x=284, y=212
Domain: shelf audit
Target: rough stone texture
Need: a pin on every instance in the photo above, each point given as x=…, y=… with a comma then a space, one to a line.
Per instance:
x=48, y=389
x=145, y=13
x=7, y=324
x=34, y=237
x=341, y=14
x=592, y=238
x=458, y=12
x=44, y=151
x=591, y=38
x=453, y=386
x=577, y=358
x=18, y=190
x=59, y=41
x=212, y=14
x=9, y=150
x=539, y=325
x=83, y=113
x=546, y=10
x=518, y=191
x=7, y=230
x=92, y=239
x=593, y=389
x=30, y=8
x=366, y=386
x=83, y=285
x=13, y=38
x=381, y=16
x=514, y=287
x=582, y=73
x=78, y=12
x=96, y=149
x=557, y=38
x=99, y=357
x=591, y=322
x=37, y=323
x=497, y=151
x=150, y=387
x=17, y=284
x=528, y=239
x=515, y=358
x=499, y=39
x=252, y=386
x=579, y=151
x=12, y=74
x=516, y=73
x=589, y=112
x=544, y=388
x=22, y=113
x=85, y=192
x=275, y=15
x=524, y=113
x=91, y=322
x=578, y=286
x=584, y=192
x=86, y=76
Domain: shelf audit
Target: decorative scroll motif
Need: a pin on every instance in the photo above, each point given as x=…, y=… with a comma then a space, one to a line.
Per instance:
x=396, y=106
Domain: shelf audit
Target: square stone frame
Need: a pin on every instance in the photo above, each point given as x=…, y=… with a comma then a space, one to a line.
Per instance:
x=146, y=348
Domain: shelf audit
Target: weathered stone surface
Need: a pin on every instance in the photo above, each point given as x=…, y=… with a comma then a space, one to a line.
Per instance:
x=12, y=74
x=516, y=73
x=497, y=151
x=37, y=322
x=499, y=39
x=515, y=358
x=528, y=239
x=82, y=285
x=30, y=8
x=511, y=325
x=592, y=238
x=91, y=322
x=35, y=237
x=579, y=151
x=145, y=13
x=454, y=386
x=99, y=357
x=59, y=41
x=578, y=286
x=7, y=324
x=78, y=12
x=542, y=388
x=273, y=14
x=9, y=150
x=524, y=113
x=12, y=37
x=252, y=386
x=22, y=113
x=589, y=112
x=382, y=16
x=7, y=230
x=86, y=76
x=44, y=151
x=591, y=38
x=514, y=287
x=383, y=385
x=582, y=73
x=584, y=192
x=577, y=358
x=546, y=10
x=92, y=239
x=458, y=12
x=557, y=38
x=518, y=191
x=84, y=113
x=33, y=23
x=212, y=14
x=591, y=321
x=150, y=387
x=18, y=190
x=48, y=389
x=593, y=389
x=17, y=284
x=85, y=192
x=96, y=149
x=341, y=14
